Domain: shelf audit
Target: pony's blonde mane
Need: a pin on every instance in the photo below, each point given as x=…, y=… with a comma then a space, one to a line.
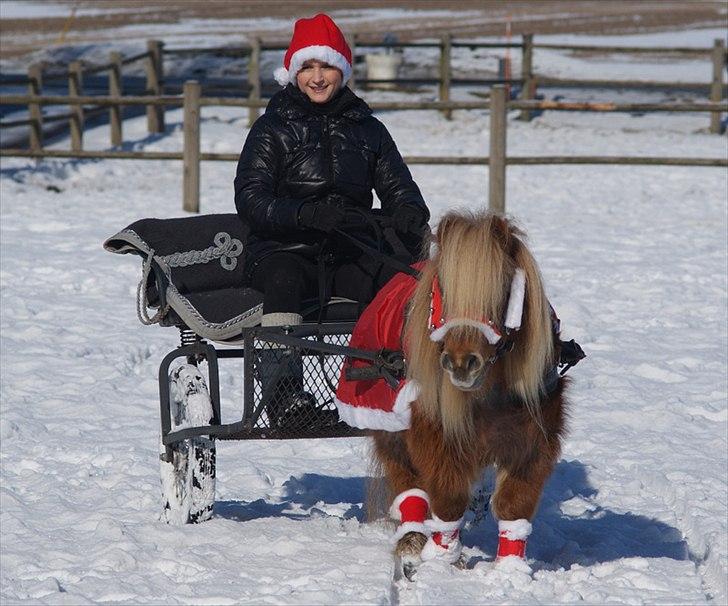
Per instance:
x=476, y=257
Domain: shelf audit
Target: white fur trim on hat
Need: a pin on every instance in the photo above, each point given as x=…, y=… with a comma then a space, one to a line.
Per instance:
x=515, y=530
x=412, y=492
x=321, y=53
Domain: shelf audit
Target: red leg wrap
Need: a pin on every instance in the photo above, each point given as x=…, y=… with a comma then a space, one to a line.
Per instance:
x=443, y=539
x=413, y=509
x=507, y=547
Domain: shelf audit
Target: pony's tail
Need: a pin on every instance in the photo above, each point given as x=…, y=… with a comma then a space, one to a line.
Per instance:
x=534, y=352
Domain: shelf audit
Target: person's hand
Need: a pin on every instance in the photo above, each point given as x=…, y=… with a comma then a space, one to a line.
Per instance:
x=320, y=216
x=409, y=219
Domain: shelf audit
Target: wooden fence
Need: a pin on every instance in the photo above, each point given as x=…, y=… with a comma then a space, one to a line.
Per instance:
x=154, y=67
x=528, y=80
x=192, y=101
x=74, y=75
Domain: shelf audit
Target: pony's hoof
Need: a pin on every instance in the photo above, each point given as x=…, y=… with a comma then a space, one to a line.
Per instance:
x=409, y=547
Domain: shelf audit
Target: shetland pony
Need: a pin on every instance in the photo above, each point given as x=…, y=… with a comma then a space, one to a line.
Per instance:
x=482, y=347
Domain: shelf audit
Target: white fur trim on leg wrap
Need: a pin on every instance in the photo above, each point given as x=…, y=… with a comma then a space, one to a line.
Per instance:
x=449, y=533
x=449, y=554
x=394, y=511
x=438, y=525
x=406, y=527
x=515, y=530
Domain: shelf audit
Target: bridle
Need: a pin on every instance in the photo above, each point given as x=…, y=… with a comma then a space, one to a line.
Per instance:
x=439, y=324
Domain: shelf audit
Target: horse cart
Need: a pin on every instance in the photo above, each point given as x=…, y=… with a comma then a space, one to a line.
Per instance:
x=192, y=278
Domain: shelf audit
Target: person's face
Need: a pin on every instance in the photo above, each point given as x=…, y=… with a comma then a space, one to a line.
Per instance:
x=318, y=80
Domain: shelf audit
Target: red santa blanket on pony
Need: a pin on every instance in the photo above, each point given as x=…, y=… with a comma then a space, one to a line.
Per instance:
x=374, y=404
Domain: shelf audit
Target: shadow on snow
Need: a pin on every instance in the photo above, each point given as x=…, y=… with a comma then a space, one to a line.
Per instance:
x=559, y=540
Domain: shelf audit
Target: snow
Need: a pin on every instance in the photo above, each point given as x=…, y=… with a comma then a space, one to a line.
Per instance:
x=634, y=259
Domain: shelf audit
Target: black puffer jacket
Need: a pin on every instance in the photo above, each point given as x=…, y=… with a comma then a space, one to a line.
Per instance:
x=300, y=151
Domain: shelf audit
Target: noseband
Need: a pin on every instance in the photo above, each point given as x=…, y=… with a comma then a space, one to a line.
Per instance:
x=439, y=324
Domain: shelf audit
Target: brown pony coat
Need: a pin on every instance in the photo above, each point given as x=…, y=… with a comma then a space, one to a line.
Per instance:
x=507, y=421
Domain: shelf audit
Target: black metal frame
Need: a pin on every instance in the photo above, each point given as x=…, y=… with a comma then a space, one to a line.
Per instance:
x=292, y=336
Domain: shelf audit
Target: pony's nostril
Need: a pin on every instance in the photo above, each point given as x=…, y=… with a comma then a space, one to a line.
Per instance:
x=446, y=361
x=474, y=363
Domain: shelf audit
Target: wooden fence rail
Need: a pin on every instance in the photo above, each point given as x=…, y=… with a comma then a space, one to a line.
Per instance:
x=497, y=161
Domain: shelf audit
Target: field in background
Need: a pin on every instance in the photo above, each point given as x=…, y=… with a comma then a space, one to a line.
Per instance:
x=30, y=26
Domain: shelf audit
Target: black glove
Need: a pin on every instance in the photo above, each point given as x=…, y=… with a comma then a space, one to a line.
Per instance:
x=409, y=219
x=320, y=216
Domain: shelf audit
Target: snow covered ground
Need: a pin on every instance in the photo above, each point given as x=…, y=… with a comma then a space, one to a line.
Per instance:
x=635, y=263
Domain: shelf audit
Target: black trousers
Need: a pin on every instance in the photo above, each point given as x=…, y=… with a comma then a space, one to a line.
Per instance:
x=287, y=280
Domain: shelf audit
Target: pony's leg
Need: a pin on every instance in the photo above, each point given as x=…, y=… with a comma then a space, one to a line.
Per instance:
x=411, y=504
x=514, y=503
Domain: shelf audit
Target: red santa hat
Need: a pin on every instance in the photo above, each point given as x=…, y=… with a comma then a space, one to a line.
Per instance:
x=315, y=38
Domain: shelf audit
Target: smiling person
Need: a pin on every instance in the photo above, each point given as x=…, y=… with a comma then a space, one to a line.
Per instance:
x=308, y=163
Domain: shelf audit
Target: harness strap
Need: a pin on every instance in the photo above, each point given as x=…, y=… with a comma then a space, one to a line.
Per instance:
x=380, y=256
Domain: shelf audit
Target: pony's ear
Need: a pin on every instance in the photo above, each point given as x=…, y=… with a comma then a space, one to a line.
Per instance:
x=443, y=227
x=507, y=234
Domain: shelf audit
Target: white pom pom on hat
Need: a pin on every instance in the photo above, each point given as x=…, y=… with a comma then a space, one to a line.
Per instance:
x=315, y=38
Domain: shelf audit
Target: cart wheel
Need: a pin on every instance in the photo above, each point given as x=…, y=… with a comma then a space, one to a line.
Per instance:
x=188, y=478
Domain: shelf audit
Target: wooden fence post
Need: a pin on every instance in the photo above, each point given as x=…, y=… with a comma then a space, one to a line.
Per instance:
x=716, y=87
x=352, y=46
x=75, y=89
x=445, y=46
x=497, y=162
x=154, y=67
x=254, y=79
x=528, y=88
x=115, y=117
x=35, y=87
x=191, y=154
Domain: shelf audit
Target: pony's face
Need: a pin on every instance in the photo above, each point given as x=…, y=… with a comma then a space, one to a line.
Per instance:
x=466, y=357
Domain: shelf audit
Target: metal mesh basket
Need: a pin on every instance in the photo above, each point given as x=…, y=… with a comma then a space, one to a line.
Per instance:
x=293, y=389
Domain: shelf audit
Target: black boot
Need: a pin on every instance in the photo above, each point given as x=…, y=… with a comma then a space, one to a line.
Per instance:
x=289, y=408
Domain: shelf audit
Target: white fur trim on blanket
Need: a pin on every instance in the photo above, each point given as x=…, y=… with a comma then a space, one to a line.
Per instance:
x=487, y=330
x=515, y=530
x=322, y=53
x=412, y=492
x=369, y=418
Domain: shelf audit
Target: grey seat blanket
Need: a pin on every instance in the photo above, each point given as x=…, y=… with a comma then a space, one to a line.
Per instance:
x=192, y=273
